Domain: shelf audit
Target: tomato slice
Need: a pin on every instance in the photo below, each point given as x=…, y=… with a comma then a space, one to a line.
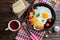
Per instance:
x=32, y=9
x=41, y=28
x=37, y=27
x=49, y=20
x=30, y=17
x=47, y=24
x=31, y=20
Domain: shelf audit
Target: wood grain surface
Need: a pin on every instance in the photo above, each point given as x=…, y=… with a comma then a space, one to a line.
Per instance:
x=6, y=14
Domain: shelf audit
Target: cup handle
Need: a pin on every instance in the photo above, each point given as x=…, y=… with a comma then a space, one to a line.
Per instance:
x=6, y=29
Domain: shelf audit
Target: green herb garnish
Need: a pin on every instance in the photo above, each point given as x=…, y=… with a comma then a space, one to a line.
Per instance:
x=32, y=16
x=42, y=20
x=53, y=2
x=38, y=15
x=36, y=8
x=33, y=13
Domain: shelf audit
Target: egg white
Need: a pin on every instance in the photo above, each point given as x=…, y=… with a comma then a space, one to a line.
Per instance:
x=41, y=9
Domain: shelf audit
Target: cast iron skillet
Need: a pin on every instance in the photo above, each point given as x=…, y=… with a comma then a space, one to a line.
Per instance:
x=45, y=5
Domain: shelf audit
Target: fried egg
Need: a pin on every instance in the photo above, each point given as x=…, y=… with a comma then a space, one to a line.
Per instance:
x=44, y=12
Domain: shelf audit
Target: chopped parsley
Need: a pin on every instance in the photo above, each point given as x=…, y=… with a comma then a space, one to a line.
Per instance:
x=42, y=20
x=33, y=13
x=53, y=2
x=36, y=8
x=38, y=15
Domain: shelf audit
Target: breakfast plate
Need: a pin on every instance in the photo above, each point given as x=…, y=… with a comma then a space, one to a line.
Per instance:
x=40, y=16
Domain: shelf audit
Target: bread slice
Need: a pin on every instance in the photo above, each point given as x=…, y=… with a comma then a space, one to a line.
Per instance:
x=22, y=12
x=18, y=6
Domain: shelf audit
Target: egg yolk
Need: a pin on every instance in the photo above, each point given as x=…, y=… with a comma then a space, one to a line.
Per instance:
x=34, y=21
x=45, y=15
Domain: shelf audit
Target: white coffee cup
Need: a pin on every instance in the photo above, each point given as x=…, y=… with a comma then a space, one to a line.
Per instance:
x=9, y=28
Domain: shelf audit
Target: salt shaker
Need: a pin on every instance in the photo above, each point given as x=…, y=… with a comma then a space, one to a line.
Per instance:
x=56, y=28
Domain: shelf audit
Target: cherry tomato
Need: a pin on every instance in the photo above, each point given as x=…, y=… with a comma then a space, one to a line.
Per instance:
x=37, y=27
x=47, y=24
x=30, y=16
x=32, y=9
x=41, y=28
x=31, y=20
x=49, y=20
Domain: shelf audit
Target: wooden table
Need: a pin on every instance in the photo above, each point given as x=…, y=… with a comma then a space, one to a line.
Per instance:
x=6, y=15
